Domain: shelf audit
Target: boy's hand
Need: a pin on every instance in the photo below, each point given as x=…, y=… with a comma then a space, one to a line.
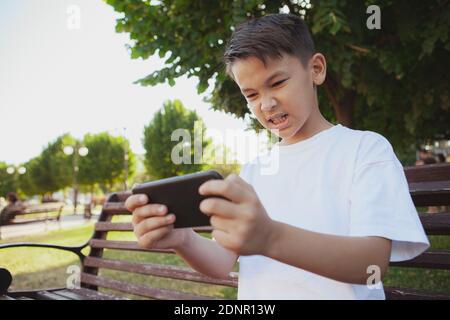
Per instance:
x=240, y=222
x=152, y=225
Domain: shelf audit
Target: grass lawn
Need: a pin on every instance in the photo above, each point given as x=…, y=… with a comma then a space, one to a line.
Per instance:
x=46, y=268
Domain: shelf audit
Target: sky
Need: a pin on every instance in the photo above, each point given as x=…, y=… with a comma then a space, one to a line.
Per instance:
x=59, y=75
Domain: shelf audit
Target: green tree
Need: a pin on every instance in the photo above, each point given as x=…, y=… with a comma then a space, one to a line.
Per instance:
x=105, y=162
x=392, y=80
x=27, y=186
x=141, y=174
x=221, y=162
x=52, y=169
x=174, y=119
x=8, y=182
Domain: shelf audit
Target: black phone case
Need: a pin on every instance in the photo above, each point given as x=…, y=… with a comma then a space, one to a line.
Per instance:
x=180, y=195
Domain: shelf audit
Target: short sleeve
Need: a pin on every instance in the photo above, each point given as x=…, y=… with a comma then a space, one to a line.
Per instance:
x=380, y=203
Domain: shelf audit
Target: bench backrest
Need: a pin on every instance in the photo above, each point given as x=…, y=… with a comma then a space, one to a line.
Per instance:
x=43, y=208
x=429, y=185
x=91, y=278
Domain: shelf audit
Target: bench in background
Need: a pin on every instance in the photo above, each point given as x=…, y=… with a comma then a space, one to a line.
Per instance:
x=50, y=211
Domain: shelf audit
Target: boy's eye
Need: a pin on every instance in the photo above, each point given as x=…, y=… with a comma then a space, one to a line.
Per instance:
x=278, y=83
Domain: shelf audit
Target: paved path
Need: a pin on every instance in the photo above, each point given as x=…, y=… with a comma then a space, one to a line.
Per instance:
x=14, y=231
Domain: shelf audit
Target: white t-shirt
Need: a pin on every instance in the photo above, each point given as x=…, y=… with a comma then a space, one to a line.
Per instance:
x=342, y=182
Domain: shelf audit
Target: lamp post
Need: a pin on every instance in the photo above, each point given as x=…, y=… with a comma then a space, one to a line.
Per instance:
x=76, y=151
x=125, y=159
x=116, y=131
x=20, y=170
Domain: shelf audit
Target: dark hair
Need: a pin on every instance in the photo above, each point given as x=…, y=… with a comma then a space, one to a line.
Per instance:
x=429, y=160
x=270, y=36
x=441, y=157
x=12, y=197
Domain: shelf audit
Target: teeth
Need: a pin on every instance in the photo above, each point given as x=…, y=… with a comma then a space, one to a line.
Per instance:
x=279, y=119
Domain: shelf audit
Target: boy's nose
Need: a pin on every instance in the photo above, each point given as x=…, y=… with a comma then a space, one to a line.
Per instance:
x=268, y=104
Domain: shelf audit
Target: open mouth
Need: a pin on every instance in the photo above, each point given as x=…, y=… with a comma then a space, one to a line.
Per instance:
x=280, y=121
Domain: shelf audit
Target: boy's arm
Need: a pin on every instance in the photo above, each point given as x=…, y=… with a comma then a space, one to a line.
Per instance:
x=207, y=256
x=341, y=258
x=242, y=225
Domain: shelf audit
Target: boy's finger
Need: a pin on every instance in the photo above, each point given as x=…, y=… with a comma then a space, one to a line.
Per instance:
x=149, y=239
x=226, y=188
x=222, y=223
x=226, y=240
x=150, y=210
x=150, y=225
x=218, y=206
x=135, y=200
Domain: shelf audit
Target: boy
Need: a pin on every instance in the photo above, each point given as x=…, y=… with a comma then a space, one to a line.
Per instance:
x=332, y=216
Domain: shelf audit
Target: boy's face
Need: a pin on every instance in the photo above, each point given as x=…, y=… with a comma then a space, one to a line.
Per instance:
x=281, y=93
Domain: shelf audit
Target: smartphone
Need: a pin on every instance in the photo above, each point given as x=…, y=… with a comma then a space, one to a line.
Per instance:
x=180, y=195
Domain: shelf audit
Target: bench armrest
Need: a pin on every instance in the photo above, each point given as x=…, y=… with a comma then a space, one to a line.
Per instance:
x=5, y=280
x=76, y=250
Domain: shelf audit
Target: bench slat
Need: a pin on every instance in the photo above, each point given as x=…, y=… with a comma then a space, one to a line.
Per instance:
x=26, y=221
x=432, y=172
x=115, y=208
x=120, y=196
x=436, y=259
x=139, y=290
x=125, y=226
x=436, y=224
x=123, y=245
x=85, y=294
x=116, y=226
x=413, y=294
x=40, y=210
x=47, y=295
x=430, y=193
x=166, y=271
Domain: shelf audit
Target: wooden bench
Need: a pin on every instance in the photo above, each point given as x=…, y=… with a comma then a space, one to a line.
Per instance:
x=429, y=185
x=43, y=212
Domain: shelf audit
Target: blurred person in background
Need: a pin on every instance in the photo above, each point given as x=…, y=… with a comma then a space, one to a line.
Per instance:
x=13, y=207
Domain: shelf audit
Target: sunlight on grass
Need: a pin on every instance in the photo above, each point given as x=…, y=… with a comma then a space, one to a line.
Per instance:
x=42, y=267
x=46, y=268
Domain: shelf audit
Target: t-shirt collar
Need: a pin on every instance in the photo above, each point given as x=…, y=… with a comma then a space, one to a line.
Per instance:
x=306, y=142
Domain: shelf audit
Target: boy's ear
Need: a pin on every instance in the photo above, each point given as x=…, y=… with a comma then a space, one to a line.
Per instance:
x=318, y=68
